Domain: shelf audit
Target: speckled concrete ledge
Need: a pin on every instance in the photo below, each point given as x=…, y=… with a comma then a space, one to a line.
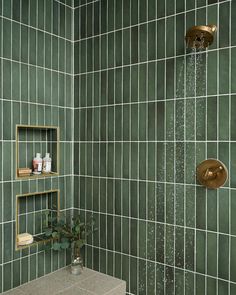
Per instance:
x=62, y=282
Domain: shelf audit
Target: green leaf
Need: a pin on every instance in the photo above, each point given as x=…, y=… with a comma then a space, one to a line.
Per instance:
x=48, y=232
x=77, y=229
x=56, y=246
x=55, y=234
x=65, y=245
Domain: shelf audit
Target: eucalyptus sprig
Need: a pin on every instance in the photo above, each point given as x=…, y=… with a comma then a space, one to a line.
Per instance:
x=64, y=234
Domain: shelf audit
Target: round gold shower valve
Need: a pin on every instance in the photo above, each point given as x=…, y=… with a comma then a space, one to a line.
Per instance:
x=212, y=173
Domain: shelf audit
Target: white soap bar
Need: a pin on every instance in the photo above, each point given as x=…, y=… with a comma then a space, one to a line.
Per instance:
x=24, y=237
x=23, y=243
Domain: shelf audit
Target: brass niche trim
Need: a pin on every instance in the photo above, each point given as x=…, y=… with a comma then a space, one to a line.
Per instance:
x=37, y=127
x=200, y=36
x=212, y=173
x=17, y=225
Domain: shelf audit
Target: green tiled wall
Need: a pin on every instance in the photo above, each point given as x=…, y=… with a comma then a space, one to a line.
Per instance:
x=124, y=87
x=36, y=88
x=142, y=124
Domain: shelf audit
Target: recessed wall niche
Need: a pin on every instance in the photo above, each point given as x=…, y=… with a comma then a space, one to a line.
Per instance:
x=31, y=217
x=32, y=139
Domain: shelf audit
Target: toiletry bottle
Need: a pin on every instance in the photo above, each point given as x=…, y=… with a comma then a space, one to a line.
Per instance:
x=47, y=163
x=37, y=164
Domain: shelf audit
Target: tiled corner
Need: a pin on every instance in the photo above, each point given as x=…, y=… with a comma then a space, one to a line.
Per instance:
x=141, y=131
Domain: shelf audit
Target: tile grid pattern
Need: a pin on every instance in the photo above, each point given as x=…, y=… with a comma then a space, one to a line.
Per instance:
x=139, y=136
x=36, y=87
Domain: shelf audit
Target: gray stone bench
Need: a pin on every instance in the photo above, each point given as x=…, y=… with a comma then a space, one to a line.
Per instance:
x=62, y=282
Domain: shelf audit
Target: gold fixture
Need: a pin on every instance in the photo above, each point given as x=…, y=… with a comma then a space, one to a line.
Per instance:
x=200, y=36
x=212, y=173
x=37, y=238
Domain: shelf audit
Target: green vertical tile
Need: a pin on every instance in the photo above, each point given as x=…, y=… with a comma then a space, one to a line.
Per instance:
x=211, y=118
x=179, y=118
x=111, y=51
x=24, y=44
x=201, y=119
x=224, y=71
x=160, y=38
x=16, y=273
x=179, y=247
x=160, y=253
x=189, y=283
x=233, y=165
x=223, y=119
x=142, y=274
x=134, y=44
x=211, y=285
x=190, y=206
x=170, y=7
x=170, y=78
x=169, y=285
x=169, y=245
x=7, y=8
x=200, y=252
x=233, y=260
x=170, y=200
x=152, y=4
x=143, y=42
x=232, y=207
x=211, y=254
x=212, y=210
x=200, y=284
x=224, y=211
x=223, y=260
x=223, y=287
x=232, y=288
x=189, y=249
x=224, y=24
x=7, y=242
x=6, y=281
x=118, y=51
x=7, y=38
x=179, y=282
x=212, y=73
x=170, y=30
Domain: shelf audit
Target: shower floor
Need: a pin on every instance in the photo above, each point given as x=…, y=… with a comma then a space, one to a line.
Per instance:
x=62, y=282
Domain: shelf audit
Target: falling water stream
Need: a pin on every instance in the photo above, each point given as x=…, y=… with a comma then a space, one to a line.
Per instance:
x=189, y=100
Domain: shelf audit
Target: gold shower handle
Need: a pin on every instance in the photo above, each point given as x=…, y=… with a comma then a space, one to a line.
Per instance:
x=212, y=173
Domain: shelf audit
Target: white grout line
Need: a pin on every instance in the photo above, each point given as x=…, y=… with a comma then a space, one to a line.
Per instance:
x=217, y=148
x=185, y=139
x=1, y=132
x=229, y=168
x=86, y=4
x=151, y=101
x=138, y=167
x=165, y=162
x=206, y=192
x=36, y=29
x=175, y=153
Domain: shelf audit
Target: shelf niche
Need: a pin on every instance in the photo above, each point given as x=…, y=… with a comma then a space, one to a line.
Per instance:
x=32, y=139
x=30, y=217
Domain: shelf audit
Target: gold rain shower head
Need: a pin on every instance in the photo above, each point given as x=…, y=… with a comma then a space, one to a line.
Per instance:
x=200, y=36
